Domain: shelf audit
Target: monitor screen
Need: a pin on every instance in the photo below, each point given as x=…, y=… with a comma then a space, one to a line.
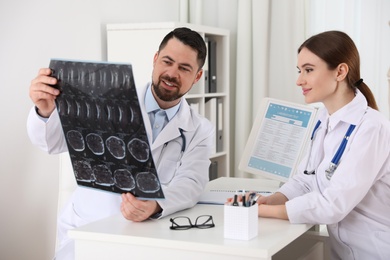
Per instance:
x=278, y=139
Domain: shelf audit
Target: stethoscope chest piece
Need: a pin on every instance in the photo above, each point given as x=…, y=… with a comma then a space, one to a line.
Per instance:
x=330, y=171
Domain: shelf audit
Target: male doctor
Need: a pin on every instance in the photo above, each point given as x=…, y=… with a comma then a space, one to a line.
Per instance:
x=169, y=121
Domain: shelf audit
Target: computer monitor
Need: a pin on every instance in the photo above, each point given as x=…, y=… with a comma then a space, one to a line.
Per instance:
x=278, y=139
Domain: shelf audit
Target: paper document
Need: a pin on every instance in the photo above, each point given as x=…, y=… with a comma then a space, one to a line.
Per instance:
x=278, y=139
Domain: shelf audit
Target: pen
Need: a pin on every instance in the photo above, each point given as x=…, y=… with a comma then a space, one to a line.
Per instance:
x=255, y=199
x=235, y=203
x=243, y=201
x=250, y=198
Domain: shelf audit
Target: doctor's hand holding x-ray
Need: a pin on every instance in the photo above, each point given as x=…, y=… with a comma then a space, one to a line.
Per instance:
x=182, y=147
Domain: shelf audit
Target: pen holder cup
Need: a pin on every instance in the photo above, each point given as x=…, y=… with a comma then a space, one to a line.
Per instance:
x=241, y=222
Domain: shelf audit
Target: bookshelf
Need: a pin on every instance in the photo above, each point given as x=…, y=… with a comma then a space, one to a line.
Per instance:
x=136, y=43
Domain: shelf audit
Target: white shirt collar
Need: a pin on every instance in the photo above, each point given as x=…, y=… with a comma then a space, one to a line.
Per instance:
x=351, y=113
x=152, y=105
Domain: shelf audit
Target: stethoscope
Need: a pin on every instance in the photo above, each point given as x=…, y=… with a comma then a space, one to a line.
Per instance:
x=336, y=158
x=183, y=147
x=183, y=143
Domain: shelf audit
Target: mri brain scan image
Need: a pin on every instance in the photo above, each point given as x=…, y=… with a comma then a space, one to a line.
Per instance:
x=76, y=140
x=95, y=143
x=83, y=171
x=139, y=149
x=116, y=146
x=103, y=175
x=147, y=182
x=124, y=180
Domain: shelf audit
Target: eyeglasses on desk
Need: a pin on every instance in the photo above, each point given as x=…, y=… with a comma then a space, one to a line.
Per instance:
x=184, y=223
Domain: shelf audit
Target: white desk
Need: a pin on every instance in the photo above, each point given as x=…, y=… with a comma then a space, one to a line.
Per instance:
x=117, y=238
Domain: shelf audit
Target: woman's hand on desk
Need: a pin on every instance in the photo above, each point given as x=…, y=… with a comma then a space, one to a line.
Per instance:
x=272, y=206
x=138, y=210
x=275, y=199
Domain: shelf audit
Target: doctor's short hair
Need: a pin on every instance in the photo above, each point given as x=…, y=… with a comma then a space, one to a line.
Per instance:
x=336, y=47
x=189, y=38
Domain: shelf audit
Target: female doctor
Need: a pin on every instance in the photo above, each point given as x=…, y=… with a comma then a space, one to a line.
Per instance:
x=181, y=143
x=350, y=192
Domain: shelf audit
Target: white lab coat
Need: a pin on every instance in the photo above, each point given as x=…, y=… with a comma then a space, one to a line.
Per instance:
x=355, y=203
x=185, y=186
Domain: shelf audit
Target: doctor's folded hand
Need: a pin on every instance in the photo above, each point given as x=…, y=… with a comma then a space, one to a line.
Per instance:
x=138, y=210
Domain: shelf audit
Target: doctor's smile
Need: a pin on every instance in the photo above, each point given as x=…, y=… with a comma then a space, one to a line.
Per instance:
x=170, y=83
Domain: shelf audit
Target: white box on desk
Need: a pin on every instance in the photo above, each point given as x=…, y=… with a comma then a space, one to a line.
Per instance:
x=241, y=222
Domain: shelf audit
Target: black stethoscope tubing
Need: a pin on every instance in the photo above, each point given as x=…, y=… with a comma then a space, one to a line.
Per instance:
x=183, y=137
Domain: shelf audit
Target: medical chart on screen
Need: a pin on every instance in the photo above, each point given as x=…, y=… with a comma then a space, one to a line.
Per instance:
x=278, y=138
x=104, y=129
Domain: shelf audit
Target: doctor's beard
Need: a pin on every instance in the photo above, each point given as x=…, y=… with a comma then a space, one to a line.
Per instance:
x=164, y=94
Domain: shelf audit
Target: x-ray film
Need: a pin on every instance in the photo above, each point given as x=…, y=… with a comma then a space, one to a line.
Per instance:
x=103, y=127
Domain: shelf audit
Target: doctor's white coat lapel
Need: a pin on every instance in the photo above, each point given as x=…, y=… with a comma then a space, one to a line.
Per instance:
x=171, y=130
